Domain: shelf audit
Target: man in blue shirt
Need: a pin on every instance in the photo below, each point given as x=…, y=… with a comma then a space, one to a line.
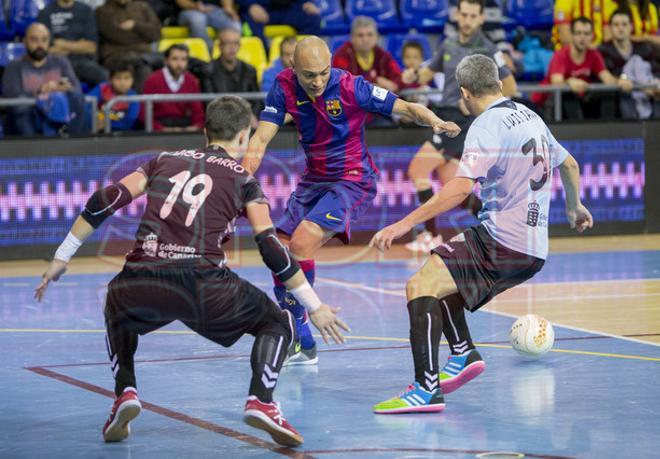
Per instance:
x=285, y=61
x=329, y=107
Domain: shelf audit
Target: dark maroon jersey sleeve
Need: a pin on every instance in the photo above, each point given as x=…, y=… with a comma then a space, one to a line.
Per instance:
x=250, y=192
x=149, y=167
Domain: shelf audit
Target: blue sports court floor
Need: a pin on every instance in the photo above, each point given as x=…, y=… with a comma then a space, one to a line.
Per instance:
x=594, y=396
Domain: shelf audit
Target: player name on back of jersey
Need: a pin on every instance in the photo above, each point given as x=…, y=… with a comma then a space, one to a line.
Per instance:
x=229, y=163
x=518, y=118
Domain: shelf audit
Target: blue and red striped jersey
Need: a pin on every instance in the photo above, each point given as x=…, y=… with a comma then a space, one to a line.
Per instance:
x=330, y=127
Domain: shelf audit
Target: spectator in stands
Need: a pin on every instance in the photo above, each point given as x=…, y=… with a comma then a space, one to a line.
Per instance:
x=635, y=61
x=598, y=11
x=302, y=15
x=229, y=73
x=197, y=15
x=362, y=56
x=576, y=66
x=287, y=47
x=49, y=78
x=175, y=79
x=493, y=26
x=123, y=115
x=644, y=19
x=127, y=28
x=73, y=29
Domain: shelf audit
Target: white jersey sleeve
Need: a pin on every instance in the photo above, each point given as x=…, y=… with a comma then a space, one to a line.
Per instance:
x=558, y=153
x=479, y=154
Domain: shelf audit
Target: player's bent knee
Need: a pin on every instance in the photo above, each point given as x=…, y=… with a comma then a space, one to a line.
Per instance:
x=420, y=284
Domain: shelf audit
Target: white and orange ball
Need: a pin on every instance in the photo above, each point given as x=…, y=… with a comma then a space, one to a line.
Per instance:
x=532, y=336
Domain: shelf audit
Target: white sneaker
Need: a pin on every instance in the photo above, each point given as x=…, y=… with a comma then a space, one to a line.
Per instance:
x=424, y=242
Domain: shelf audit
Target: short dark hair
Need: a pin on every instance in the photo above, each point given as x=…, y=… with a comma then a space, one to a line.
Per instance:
x=414, y=45
x=287, y=41
x=622, y=12
x=120, y=67
x=178, y=47
x=581, y=20
x=226, y=116
x=481, y=3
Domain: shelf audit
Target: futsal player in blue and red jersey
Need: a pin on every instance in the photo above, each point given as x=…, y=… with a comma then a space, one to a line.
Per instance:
x=329, y=107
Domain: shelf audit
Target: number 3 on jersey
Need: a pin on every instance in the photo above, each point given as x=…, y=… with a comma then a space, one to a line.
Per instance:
x=543, y=157
x=196, y=200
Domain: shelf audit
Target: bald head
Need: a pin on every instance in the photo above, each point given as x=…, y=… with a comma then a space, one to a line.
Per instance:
x=310, y=52
x=37, y=41
x=311, y=63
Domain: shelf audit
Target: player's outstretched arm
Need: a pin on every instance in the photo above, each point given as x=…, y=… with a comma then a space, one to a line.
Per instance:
x=100, y=206
x=450, y=195
x=578, y=216
x=279, y=260
x=257, y=146
x=422, y=115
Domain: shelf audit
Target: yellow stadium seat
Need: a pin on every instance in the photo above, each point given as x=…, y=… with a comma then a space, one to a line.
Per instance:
x=274, y=52
x=197, y=47
x=183, y=32
x=275, y=30
x=174, y=32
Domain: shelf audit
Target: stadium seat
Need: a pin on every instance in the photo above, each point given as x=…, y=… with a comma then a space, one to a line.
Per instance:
x=274, y=51
x=531, y=14
x=336, y=42
x=197, y=47
x=6, y=31
x=424, y=15
x=394, y=44
x=333, y=20
x=10, y=51
x=277, y=30
x=22, y=13
x=252, y=51
x=182, y=32
x=383, y=11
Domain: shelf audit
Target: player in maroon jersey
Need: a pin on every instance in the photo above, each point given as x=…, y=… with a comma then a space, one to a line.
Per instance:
x=176, y=270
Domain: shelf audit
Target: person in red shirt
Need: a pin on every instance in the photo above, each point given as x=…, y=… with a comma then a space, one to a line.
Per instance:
x=362, y=56
x=174, y=79
x=577, y=65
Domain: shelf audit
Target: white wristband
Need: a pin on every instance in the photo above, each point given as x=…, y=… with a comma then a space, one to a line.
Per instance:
x=306, y=295
x=68, y=248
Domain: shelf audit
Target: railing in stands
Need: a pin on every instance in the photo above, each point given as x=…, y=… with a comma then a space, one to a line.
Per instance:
x=17, y=101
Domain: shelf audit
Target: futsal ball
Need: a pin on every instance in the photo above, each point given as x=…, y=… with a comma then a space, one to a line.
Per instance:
x=532, y=336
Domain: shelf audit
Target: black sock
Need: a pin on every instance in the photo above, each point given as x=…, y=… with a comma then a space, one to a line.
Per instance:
x=423, y=196
x=425, y=339
x=455, y=326
x=121, y=344
x=472, y=204
x=268, y=354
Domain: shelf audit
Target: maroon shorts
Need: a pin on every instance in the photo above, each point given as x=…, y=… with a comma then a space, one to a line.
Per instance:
x=482, y=267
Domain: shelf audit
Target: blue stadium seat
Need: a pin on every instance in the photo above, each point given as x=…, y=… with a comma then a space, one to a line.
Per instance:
x=333, y=20
x=394, y=44
x=425, y=15
x=10, y=51
x=531, y=14
x=337, y=41
x=6, y=32
x=25, y=12
x=383, y=11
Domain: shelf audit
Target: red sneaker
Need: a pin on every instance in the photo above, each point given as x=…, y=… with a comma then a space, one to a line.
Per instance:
x=124, y=410
x=268, y=417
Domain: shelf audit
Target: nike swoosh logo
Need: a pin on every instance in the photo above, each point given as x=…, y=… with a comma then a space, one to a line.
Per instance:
x=330, y=217
x=301, y=102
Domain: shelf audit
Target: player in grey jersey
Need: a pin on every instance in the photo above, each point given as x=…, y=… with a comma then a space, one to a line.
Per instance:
x=511, y=153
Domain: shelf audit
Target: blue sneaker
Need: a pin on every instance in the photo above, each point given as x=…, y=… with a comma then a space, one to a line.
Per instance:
x=460, y=369
x=413, y=400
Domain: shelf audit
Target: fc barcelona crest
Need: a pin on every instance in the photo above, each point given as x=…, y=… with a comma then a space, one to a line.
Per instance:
x=333, y=107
